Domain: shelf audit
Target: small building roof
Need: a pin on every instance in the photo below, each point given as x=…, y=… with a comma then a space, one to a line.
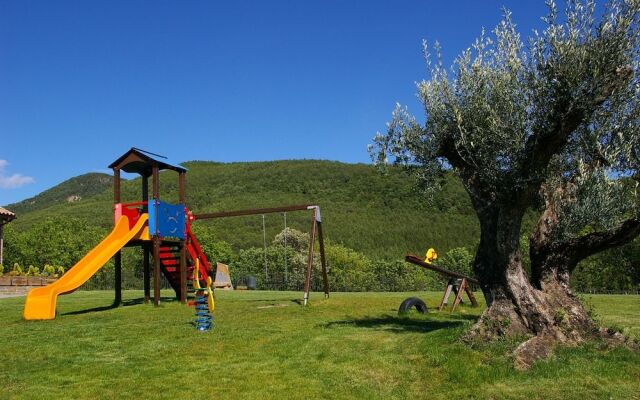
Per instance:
x=6, y=215
x=141, y=162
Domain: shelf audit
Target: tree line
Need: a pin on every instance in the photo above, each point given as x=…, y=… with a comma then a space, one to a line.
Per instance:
x=58, y=241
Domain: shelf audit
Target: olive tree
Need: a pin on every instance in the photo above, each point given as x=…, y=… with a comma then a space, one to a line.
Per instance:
x=507, y=118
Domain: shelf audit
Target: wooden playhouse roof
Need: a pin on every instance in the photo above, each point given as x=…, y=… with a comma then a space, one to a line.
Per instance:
x=141, y=162
x=6, y=215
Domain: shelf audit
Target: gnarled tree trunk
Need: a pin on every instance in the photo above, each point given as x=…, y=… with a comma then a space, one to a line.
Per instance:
x=515, y=307
x=552, y=262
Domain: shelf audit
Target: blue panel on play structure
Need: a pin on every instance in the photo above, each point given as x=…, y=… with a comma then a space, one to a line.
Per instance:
x=167, y=220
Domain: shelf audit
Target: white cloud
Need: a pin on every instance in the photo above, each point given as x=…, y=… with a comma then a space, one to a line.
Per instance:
x=12, y=181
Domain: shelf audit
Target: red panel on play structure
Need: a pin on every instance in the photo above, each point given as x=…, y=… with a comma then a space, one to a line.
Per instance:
x=131, y=210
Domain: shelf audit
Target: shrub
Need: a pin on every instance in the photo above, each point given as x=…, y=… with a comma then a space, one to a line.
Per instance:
x=48, y=270
x=33, y=271
x=16, y=270
x=59, y=272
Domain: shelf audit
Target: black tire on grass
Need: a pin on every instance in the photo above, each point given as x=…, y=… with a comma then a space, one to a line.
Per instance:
x=410, y=303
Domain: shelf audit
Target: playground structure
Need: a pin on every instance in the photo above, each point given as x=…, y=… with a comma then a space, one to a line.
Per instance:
x=457, y=283
x=163, y=231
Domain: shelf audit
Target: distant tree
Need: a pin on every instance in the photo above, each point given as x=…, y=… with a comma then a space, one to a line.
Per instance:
x=506, y=123
x=299, y=241
x=54, y=240
x=350, y=270
x=457, y=259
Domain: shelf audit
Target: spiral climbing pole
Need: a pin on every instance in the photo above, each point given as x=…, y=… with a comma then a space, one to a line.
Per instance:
x=203, y=302
x=204, y=319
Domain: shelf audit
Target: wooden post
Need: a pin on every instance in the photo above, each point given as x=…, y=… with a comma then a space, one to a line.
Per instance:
x=182, y=188
x=445, y=297
x=156, y=240
x=145, y=193
x=146, y=272
x=116, y=185
x=1, y=243
x=325, y=278
x=183, y=272
x=156, y=271
x=461, y=289
x=118, y=256
x=312, y=241
x=472, y=298
x=183, y=244
x=146, y=251
x=118, y=278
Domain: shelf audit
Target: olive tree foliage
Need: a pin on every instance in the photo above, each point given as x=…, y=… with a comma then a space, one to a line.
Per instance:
x=506, y=107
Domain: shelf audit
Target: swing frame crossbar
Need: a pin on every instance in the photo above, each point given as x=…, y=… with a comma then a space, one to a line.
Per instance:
x=316, y=231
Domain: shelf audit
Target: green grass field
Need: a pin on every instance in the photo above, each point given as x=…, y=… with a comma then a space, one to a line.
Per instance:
x=267, y=346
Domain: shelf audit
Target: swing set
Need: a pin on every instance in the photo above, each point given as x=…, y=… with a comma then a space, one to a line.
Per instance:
x=316, y=231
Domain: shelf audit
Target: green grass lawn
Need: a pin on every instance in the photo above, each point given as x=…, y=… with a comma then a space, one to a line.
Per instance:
x=266, y=346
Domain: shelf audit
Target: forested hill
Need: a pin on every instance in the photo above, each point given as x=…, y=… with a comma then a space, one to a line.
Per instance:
x=69, y=191
x=378, y=215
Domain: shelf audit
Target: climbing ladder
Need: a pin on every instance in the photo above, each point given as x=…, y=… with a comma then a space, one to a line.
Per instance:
x=170, y=262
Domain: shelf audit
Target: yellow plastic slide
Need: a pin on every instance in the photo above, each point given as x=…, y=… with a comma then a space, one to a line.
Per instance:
x=41, y=302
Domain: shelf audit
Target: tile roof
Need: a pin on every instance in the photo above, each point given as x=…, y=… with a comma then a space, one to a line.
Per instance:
x=6, y=214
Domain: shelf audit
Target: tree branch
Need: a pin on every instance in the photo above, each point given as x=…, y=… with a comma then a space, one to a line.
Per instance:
x=590, y=244
x=565, y=118
x=449, y=151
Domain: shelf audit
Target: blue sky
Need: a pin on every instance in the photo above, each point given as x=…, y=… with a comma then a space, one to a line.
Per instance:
x=82, y=81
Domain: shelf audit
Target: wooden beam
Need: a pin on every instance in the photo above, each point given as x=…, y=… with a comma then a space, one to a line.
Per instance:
x=413, y=259
x=254, y=211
